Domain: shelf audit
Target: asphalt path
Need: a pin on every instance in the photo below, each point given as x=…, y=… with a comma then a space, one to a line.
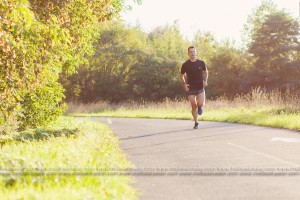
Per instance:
x=216, y=161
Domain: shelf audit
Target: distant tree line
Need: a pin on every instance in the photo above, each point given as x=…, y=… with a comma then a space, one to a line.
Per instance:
x=129, y=64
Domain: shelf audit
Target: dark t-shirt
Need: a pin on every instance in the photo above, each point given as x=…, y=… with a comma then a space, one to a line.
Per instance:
x=194, y=72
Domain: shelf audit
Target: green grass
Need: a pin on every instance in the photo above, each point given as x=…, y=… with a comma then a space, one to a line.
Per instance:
x=67, y=144
x=260, y=117
x=272, y=109
x=141, y=113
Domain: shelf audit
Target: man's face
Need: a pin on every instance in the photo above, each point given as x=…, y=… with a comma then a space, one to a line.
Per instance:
x=192, y=53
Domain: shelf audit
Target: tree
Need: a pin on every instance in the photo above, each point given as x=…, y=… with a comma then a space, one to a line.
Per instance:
x=155, y=78
x=206, y=45
x=127, y=65
x=228, y=68
x=255, y=20
x=39, y=40
x=167, y=41
x=275, y=48
x=106, y=77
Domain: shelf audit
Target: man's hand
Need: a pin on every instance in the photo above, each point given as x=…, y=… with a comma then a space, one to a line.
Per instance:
x=186, y=87
x=204, y=83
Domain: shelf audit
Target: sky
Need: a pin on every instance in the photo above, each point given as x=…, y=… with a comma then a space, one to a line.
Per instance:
x=223, y=18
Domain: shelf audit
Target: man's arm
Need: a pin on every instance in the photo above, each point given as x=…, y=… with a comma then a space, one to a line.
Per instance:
x=205, y=77
x=182, y=80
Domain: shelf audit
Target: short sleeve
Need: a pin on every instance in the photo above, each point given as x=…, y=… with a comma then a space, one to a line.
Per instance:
x=183, y=69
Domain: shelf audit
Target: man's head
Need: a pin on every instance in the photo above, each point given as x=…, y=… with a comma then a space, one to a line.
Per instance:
x=192, y=52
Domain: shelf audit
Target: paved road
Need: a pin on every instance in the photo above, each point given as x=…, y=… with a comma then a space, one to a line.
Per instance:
x=174, y=145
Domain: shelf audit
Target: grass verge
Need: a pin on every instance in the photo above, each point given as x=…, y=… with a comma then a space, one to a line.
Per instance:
x=260, y=117
x=64, y=148
x=272, y=109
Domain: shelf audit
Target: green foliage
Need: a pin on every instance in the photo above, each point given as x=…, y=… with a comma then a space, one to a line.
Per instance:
x=154, y=78
x=275, y=48
x=129, y=64
x=39, y=40
x=126, y=66
x=42, y=106
x=116, y=51
x=206, y=46
x=228, y=68
x=167, y=41
x=255, y=20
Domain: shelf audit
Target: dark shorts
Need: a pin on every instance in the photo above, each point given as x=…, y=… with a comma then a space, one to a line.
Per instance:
x=194, y=92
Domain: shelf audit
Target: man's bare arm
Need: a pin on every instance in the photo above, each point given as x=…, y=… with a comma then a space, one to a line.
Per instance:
x=205, y=77
x=182, y=80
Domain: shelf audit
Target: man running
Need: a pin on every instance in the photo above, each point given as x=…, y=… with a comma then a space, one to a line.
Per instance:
x=197, y=75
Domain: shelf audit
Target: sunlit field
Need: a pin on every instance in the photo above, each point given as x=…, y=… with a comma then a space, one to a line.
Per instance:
x=259, y=107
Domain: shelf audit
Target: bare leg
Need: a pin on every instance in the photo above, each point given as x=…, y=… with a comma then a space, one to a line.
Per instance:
x=192, y=99
x=201, y=99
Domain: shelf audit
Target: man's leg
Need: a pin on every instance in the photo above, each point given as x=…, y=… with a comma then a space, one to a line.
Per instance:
x=192, y=99
x=201, y=99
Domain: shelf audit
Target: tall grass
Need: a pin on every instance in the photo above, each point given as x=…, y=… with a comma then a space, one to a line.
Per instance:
x=259, y=107
x=102, y=106
x=259, y=98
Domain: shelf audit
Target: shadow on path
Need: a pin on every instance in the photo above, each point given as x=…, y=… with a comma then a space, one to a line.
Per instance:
x=208, y=136
x=154, y=134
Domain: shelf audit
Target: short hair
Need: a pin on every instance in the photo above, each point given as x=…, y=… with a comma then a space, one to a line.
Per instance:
x=191, y=47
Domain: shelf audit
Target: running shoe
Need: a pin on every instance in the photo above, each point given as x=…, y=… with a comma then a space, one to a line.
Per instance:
x=196, y=126
x=200, y=110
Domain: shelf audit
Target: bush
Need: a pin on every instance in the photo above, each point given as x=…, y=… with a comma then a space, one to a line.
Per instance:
x=39, y=40
x=42, y=106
